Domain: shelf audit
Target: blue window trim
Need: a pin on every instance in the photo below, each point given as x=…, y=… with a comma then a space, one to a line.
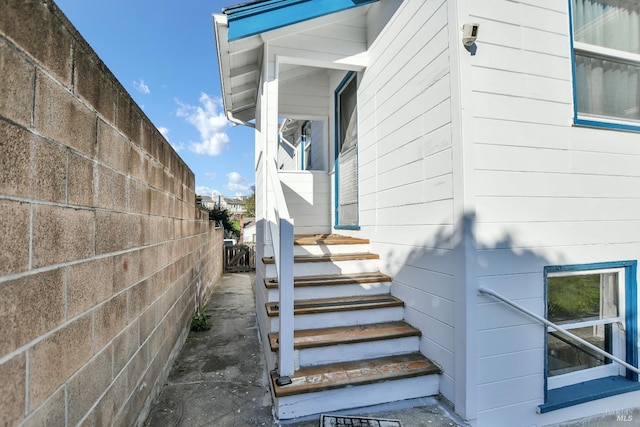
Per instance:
x=249, y=19
x=302, y=146
x=336, y=94
x=577, y=121
x=602, y=387
x=587, y=391
x=303, y=143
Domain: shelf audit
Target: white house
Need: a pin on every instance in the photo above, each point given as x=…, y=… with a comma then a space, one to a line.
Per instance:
x=466, y=151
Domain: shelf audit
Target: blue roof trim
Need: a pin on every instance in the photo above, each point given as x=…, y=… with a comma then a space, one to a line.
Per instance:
x=259, y=17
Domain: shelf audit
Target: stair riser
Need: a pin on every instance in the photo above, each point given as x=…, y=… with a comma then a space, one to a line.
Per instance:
x=342, y=318
x=322, y=249
x=329, y=249
x=329, y=267
x=357, y=396
x=334, y=291
x=357, y=351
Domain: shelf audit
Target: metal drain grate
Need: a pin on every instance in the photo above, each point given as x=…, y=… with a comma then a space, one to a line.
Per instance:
x=347, y=421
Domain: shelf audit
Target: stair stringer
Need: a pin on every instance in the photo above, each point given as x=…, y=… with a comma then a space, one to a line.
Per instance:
x=263, y=321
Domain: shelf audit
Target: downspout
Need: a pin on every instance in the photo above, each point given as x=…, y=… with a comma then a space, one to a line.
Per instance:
x=237, y=121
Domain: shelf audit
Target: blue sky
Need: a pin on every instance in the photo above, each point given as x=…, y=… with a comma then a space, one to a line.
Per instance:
x=164, y=53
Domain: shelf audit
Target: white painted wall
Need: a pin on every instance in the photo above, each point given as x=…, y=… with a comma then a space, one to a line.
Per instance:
x=306, y=94
x=545, y=193
x=405, y=166
x=308, y=198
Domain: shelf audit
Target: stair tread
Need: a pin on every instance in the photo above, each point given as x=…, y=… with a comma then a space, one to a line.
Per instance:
x=327, y=257
x=332, y=279
x=327, y=239
x=338, y=375
x=323, y=305
x=310, y=338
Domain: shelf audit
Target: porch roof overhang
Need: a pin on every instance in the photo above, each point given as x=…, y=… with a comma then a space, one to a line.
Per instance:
x=240, y=32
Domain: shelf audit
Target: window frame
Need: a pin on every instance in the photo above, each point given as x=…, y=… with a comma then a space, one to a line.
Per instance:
x=584, y=390
x=595, y=51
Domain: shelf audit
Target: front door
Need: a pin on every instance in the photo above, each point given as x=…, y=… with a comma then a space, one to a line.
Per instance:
x=346, y=170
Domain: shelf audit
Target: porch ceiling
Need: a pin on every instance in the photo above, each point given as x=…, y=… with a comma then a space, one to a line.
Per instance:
x=240, y=55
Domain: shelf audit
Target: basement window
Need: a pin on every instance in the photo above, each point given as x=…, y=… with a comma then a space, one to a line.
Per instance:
x=598, y=303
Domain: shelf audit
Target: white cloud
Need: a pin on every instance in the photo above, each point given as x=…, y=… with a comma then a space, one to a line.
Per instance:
x=210, y=175
x=210, y=122
x=141, y=86
x=237, y=183
x=206, y=191
x=177, y=147
x=164, y=131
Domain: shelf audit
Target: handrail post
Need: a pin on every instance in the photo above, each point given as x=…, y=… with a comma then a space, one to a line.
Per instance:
x=285, y=287
x=281, y=226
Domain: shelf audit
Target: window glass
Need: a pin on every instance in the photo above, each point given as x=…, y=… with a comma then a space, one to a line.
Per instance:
x=607, y=88
x=565, y=356
x=613, y=24
x=588, y=306
x=580, y=298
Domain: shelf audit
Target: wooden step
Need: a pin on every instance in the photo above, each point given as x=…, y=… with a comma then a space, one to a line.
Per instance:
x=332, y=279
x=327, y=257
x=347, y=374
x=327, y=239
x=311, y=338
x=327, y=305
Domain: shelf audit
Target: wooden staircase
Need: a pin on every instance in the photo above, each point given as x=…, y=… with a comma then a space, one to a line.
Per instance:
x=352, y=346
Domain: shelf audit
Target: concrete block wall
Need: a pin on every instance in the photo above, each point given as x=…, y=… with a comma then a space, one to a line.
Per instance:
x=103, y=254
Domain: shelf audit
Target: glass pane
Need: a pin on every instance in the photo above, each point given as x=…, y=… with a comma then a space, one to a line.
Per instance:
x=348, y=117
x=614, y=24
x=607, y=88
x=565, y=355
x=581, y=298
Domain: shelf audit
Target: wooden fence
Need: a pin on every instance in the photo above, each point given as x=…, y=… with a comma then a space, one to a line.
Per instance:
x=239, y=258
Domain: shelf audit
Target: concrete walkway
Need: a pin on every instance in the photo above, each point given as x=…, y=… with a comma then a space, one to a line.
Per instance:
x=219, y=377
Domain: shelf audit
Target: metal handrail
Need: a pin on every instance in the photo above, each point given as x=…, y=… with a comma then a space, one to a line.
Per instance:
x=560, y=329
x=281, y=230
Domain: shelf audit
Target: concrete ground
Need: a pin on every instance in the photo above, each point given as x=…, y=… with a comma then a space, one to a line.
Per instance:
x=219, y=378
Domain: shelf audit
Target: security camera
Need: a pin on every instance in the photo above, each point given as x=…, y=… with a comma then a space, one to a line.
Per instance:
x=469, y=33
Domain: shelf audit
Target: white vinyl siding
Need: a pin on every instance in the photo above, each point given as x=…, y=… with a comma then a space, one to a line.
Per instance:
x=308, y=199
x=304, y=95
x=545, y=193
x=406, y=169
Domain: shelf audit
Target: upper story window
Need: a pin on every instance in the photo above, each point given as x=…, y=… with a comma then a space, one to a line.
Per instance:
x=606, y=48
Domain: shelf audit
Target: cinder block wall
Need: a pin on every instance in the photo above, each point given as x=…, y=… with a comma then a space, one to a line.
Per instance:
x=104, y=255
